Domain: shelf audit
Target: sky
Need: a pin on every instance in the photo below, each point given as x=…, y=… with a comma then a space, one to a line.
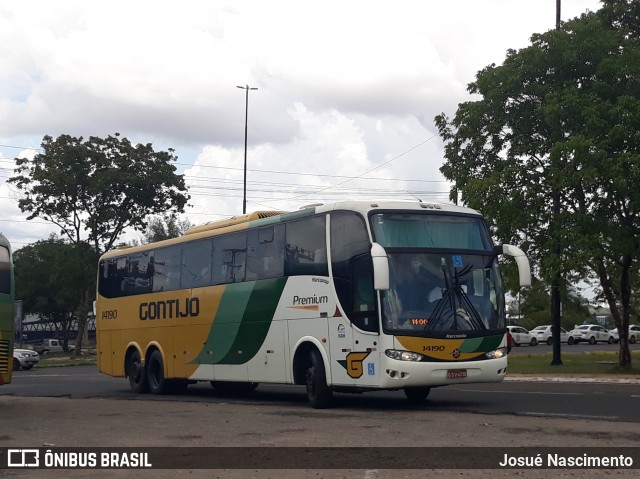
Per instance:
x=347, y=91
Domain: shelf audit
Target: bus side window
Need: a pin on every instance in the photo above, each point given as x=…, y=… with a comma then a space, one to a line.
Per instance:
x=167, y=266
x=353, y=270
x=306, y=251
x=229, y=258
x=265, y=253
x=5, y=272
x=196, y=264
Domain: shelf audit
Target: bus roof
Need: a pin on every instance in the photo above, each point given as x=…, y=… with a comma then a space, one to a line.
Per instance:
x=260, y=218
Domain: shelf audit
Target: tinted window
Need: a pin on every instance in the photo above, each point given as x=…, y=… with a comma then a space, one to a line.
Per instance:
x=229, y=258
x=196, y=264
x=265, y=253
x=424, y=230
x=349, y=238
x=5, y=271
x=306, y=252
x=166, y=268
x=353, y=270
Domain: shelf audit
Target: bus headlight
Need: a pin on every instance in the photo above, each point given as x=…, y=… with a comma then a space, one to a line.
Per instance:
x=497, y=354
x=403, y=355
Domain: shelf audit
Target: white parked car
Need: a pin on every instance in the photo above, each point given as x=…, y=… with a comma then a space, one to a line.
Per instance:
x=543, y=335
x=522, y=336
x=634, y=333
x=592, y=333
x=25, y=359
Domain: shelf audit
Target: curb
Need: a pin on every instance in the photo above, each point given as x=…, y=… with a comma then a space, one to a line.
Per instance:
x=560, y=379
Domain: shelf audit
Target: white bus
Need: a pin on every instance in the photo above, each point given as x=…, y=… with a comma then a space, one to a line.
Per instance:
x=351, y=297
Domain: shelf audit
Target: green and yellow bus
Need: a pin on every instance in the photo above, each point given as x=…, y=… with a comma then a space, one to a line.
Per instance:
x=351, y=297
x=7, y=298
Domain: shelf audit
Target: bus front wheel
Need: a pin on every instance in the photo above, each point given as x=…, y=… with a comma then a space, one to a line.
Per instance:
x=417, y=394
x=137, y=373
x=318, y=392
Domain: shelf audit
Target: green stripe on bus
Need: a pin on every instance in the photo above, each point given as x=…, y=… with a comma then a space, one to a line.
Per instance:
x=242, y=322
x=226, y=323
x=255, y=321
x=473, y=345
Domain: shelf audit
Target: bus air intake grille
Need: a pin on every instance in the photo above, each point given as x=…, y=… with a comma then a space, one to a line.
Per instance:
x=4, y=356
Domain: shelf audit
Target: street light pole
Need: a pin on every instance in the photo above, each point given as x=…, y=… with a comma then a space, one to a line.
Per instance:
x=246, y=119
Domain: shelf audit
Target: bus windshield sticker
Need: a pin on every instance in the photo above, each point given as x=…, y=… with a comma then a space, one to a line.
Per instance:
x=457, y=261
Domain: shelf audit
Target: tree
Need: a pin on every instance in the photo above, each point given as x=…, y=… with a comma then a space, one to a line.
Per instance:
x=98, y=186
x=551, y=152
x=49, y=275
x=101, y=186
x=164, y=227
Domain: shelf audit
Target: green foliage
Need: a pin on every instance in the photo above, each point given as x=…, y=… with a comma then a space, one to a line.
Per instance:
x=101, y=186
x=49, y=276
x=164, y=227
x=550, y=152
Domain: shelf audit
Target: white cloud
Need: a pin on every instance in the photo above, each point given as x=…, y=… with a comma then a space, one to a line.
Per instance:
x=343, y=86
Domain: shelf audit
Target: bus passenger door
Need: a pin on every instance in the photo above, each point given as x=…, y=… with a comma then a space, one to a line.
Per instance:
x=358, y=340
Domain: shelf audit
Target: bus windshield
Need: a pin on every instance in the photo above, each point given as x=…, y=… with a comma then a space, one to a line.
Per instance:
x=443, y=292
x=443, y=274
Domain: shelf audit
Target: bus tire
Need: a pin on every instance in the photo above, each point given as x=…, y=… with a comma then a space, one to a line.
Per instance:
x=155, y=374
x=137, y=373
x=318, y=392
x=417, y=394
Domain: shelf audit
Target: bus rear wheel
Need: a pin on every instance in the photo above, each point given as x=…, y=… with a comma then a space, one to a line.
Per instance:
x=318, y=392
x=417, y=394
x=155, y=374
x=137, y=373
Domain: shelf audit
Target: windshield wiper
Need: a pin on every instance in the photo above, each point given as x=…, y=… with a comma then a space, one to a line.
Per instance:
x=455, y=297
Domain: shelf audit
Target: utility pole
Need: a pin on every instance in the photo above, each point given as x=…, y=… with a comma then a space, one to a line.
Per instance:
x=246, y=119
x=556, y=306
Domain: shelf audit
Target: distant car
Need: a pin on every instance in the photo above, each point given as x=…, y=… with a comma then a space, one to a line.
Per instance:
x=522, y=336
x=543, y=335
x=51, y=346
x=634, y=333
x=592, y=333
x=25, y=359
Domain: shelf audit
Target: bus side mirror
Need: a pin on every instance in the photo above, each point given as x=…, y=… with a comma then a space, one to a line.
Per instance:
x=380, y=268
x=524, y=270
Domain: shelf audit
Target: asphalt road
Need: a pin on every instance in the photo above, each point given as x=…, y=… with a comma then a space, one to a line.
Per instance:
x=519, y=396
x=79, y=407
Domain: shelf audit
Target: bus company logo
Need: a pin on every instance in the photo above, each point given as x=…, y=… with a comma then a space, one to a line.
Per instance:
x=170, y=309
x=456, y=353
x=353, y=364
x=341, y=331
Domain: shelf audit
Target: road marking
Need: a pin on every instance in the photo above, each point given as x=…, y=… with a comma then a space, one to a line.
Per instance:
x=569, y=416
x=494, y=391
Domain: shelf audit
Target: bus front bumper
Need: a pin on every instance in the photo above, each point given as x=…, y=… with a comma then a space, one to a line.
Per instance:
x=400, y=374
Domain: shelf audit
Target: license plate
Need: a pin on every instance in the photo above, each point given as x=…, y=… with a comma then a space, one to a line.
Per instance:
x=456, y=373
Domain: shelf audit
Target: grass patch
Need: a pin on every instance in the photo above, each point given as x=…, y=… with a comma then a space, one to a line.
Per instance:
x=598, y=364
x=51, y=360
